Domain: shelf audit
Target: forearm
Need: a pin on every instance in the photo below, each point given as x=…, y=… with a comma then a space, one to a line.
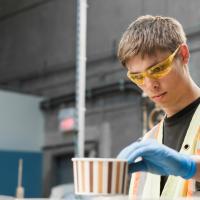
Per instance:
x=197, y=174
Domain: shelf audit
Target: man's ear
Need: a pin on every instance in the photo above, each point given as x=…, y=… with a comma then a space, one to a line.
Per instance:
x=185, y=54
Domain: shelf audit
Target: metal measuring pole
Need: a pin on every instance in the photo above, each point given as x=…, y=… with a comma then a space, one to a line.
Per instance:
x=81, y=31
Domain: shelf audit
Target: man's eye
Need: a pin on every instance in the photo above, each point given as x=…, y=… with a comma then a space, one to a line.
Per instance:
x=157, y=69
x=137, y=76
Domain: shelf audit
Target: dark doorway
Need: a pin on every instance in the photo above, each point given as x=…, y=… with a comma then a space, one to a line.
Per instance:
x=63, y=169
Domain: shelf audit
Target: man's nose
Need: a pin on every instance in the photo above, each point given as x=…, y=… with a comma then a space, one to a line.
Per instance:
x=151, y=83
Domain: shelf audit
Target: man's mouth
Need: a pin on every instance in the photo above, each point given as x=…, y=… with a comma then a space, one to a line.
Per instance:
x=159, y=95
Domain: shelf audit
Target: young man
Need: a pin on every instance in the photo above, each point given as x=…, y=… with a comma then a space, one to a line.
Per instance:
x=165, y=162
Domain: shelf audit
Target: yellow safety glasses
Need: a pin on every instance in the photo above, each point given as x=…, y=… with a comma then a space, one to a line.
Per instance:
x=157, y=71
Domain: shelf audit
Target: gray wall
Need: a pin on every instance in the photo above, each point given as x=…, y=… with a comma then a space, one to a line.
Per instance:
x=37, y=53
x=22, y=122
x=112, y=122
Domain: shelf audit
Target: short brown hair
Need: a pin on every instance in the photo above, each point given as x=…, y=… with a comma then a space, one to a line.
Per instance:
x=149, y=33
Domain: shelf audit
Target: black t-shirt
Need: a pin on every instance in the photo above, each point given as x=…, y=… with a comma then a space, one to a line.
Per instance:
x=175, y=128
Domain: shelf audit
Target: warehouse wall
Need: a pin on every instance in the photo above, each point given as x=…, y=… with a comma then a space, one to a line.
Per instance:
x=113, y=120
x=21, y=136
x=40, y=37
x=37, y=37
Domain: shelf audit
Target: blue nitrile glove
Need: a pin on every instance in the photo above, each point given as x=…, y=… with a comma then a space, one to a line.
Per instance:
x=158, y=159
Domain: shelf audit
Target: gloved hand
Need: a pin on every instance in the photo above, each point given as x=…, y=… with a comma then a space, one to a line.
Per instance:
x=158, y=159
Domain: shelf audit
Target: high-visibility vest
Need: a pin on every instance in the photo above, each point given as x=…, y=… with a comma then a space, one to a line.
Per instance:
x=147, y=185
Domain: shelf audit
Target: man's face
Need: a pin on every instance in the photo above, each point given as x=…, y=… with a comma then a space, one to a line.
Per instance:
x=164, y=91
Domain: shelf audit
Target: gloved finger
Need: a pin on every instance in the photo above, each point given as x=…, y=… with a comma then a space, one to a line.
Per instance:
x=137, y=166
x=143, y=151
x=126, y=152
